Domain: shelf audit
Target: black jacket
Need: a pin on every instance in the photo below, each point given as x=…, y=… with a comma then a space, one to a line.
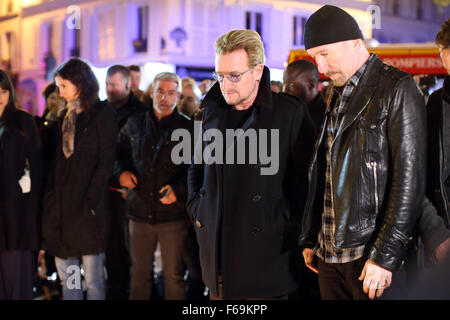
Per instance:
x=432, y=229
x=317, y=112
x=131, y=107
x=145, y=148
x=74, y=221
x=378, y=168
x=246, y=221
x=438, y=110
x=19, y=212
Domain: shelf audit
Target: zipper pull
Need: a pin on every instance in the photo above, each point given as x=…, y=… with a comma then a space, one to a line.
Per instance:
x=371, y=164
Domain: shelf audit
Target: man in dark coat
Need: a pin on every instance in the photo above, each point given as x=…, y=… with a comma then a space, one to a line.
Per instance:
x=117, y=257
x=157, y=190
x=367, y=175
x=301, y=79
x=245, y=211
x=438, y=187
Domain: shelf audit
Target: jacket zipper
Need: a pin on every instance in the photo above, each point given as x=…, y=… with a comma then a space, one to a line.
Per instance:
x=373, y=165
x=331, y=151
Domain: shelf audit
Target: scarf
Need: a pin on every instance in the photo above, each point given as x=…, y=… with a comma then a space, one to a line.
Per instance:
x=68, y=128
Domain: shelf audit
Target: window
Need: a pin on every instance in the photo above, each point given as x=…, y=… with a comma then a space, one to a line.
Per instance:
x=10, y=7
x=419, y=13
x=254, y=21
x=75, y=51
x=298, y=27
x=72, y=39
x=46, y=48
x=49, y=36
x=140, y=43
x=396, y=8
x=205, y=20
x=106, y=44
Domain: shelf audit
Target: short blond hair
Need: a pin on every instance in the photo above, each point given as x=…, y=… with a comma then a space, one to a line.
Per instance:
x=248, y=40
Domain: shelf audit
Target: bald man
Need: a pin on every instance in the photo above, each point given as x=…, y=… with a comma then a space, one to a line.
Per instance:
x=301, y=79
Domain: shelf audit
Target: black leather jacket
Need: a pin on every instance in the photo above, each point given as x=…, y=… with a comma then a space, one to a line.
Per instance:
x=146, y=149
x=378, y=168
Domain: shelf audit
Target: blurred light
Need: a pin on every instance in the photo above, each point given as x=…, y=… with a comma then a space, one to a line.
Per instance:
x=371, y=42
x=27, y=3
x=148, y=73
x=151, y=69
x=276, y=74
x=100, y=73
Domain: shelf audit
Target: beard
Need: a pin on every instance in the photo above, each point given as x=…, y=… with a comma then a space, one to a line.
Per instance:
x=340, y=81
x=236, y=99
x=118, y=99
x=164, y=108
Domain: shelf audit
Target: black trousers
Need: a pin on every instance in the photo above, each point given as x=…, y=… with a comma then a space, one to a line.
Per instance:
x=339, y=281
x=117, y=261
x=195, y=286
x=220, y=296
x=17, y=272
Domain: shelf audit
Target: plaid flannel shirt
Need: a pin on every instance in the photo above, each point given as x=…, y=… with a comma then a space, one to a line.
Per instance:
x=325, y=247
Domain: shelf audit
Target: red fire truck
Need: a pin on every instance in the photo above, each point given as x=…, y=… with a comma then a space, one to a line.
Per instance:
x=420, y=59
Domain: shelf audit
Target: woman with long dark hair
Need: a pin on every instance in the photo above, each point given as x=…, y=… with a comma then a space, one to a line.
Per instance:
x=20, y=186
x=75, y=205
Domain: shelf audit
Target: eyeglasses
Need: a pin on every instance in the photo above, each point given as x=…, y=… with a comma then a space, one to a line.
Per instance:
x=232, y=76
x=162, y=94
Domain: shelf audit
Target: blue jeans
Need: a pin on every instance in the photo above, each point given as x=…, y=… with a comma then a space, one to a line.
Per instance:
x=69, y=271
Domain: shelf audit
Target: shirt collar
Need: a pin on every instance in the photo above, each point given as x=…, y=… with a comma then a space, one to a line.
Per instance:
x=354, y=80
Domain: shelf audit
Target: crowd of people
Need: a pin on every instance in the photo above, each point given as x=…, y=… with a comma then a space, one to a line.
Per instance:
x=357, y=207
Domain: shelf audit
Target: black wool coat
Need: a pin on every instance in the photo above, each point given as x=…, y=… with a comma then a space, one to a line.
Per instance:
x=19, y=212
x=74, y=221
x=246, y=222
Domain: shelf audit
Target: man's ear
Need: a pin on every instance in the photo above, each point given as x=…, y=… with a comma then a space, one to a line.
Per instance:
x=178, y=96
x=358, y=43
x=259, y=71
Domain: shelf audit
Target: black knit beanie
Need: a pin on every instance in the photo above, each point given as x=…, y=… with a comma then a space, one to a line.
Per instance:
x=330, y=24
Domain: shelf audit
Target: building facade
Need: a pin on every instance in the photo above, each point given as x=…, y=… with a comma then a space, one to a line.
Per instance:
x=176, y=35
x=409, y=21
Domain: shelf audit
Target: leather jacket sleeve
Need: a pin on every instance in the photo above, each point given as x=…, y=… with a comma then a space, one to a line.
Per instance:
x=406, y=131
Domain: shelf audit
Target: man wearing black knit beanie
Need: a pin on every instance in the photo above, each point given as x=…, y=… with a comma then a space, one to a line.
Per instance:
x=367, y=175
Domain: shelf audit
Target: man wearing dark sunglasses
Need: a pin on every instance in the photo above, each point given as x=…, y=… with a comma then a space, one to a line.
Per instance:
x=246, y=221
